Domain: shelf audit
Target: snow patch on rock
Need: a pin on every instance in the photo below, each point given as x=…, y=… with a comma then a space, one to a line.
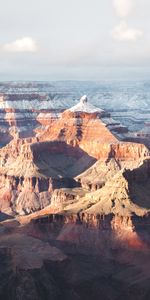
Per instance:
x=85, y=106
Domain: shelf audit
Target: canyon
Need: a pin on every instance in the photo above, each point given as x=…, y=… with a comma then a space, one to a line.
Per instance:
x=74, y=199
x=76, y=142
x=24, y=106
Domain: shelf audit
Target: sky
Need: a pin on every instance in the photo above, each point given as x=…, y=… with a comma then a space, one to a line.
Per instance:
x=74, y=39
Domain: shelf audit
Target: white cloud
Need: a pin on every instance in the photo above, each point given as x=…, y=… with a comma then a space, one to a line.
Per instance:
x=25, y=44
x=124, y=33
x=124, y=8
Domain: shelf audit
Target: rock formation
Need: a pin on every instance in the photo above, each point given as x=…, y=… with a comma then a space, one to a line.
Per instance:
x=82, y=126
x=63, y=156
x=74, y=200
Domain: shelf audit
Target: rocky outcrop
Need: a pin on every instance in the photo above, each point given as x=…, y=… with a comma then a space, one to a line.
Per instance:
x=14, y=148
x=58, y=157
x=63, y=196
x=125, y=194
x=34, y=170
x=24, y=155
x=116, y=214
x=47, y=118
x=85, y=192
x=118, y=205
x=95, y=232
x=122, y=155
x=24, y=195
x=46, y=166
x=86, y=130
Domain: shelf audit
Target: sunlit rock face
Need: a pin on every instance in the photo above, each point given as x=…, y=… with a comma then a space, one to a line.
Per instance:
x=29, y=106
x=75, y=150
x=30, y=172
x=77, y=187
x=26, y=115
x=82, y=126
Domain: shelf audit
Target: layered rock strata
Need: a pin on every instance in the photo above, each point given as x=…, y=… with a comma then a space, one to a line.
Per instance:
x=58, y=157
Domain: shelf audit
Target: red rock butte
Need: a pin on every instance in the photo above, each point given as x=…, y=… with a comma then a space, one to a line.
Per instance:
x=82, y=126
